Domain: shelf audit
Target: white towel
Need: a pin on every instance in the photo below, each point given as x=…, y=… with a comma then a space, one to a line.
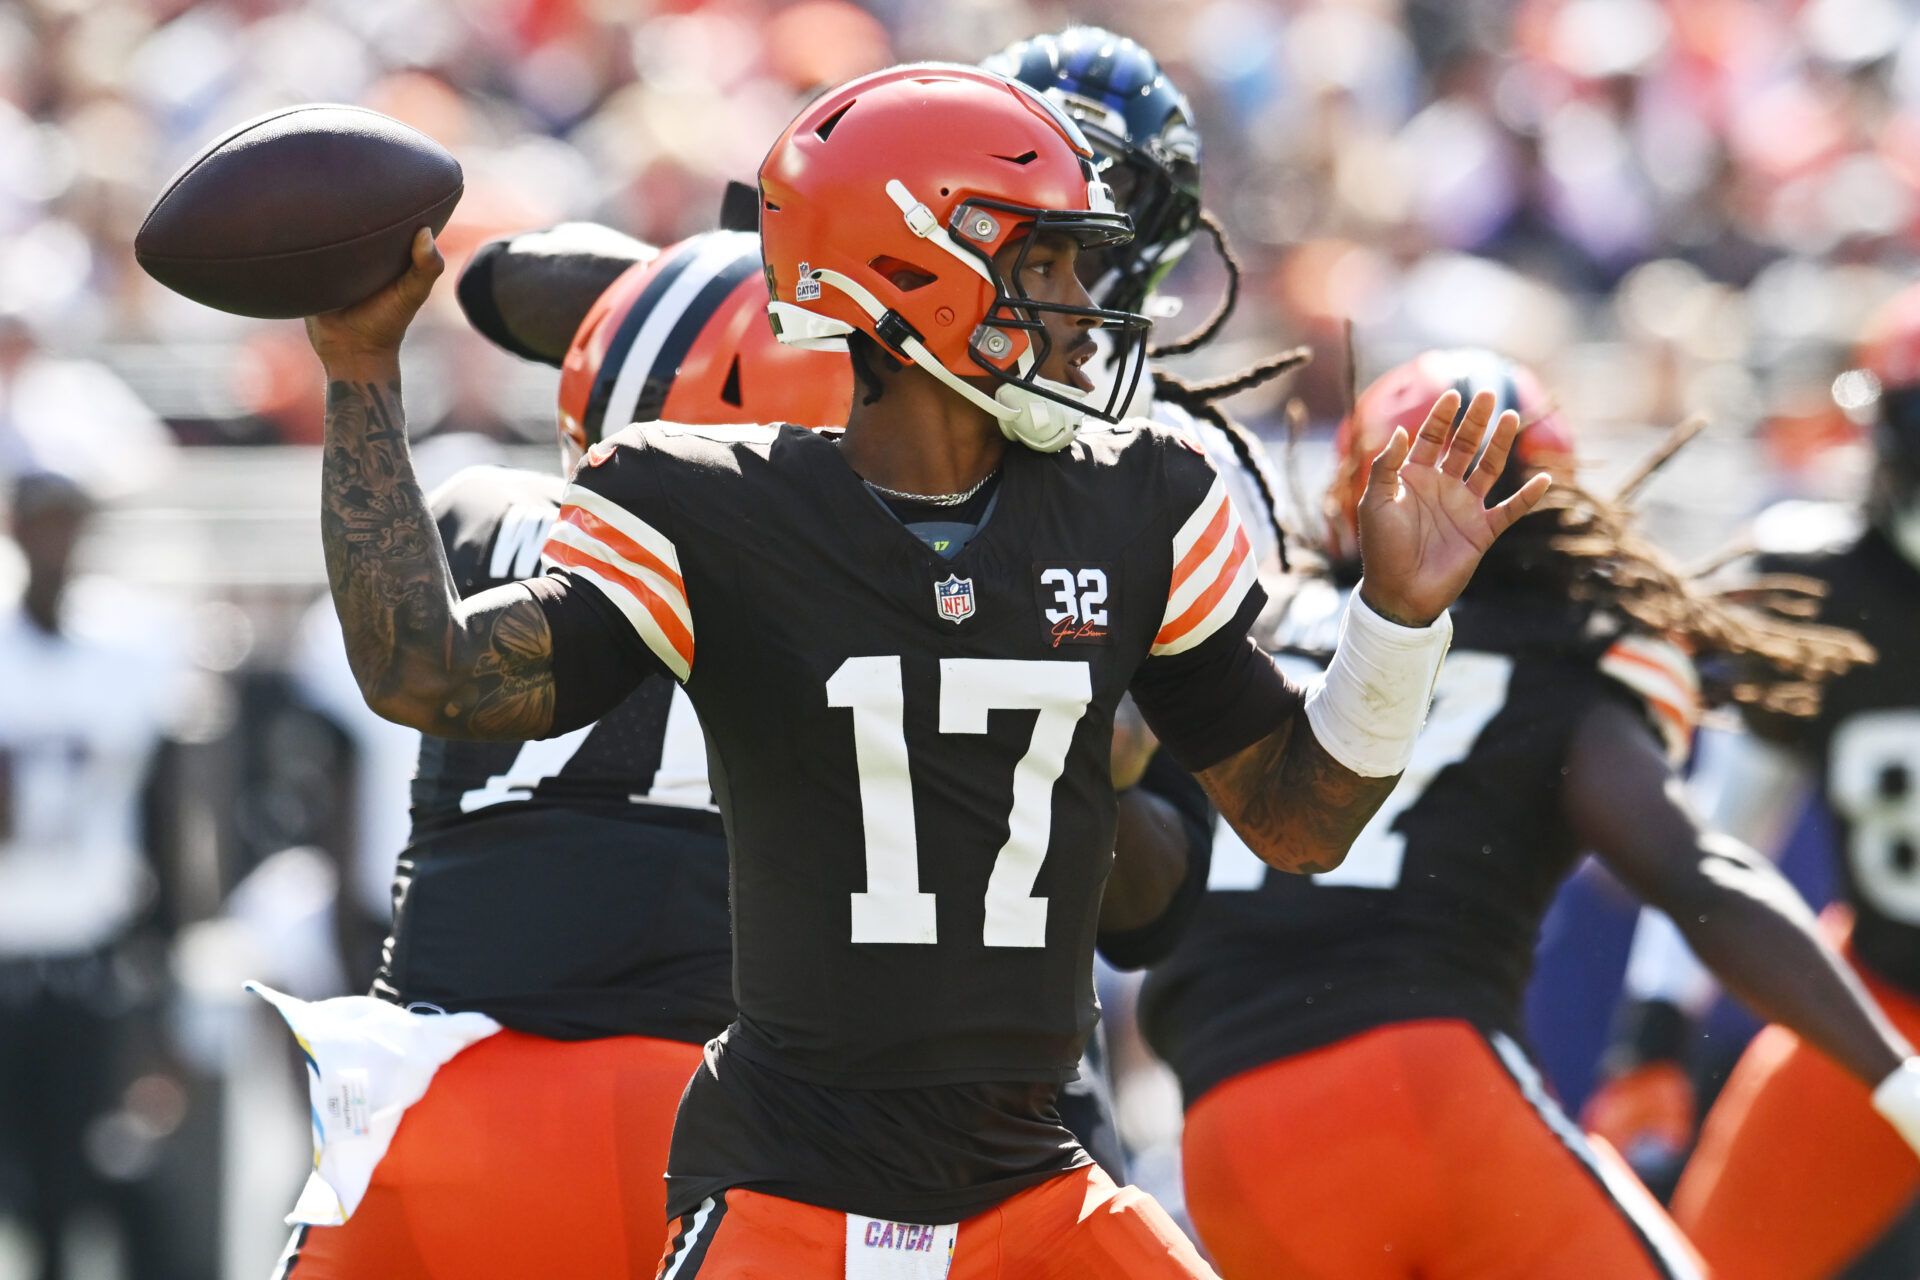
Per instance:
x=367, y=1062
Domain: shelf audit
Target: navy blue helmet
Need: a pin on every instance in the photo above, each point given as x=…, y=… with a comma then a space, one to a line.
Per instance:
x=1141, y=128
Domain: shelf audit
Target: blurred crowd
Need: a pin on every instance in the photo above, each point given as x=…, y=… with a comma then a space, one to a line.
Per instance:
x=1667, y=206
x=1672, y=205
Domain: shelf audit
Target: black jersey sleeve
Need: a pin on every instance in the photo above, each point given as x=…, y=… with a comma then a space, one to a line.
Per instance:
x=614, y=595
x=477, y=301
x=1154, y=941
x=1206, y=689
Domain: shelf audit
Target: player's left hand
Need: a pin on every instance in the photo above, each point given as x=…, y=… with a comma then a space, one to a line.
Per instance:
x=1424, y=519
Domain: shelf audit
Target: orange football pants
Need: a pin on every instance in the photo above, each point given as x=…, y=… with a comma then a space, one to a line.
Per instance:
x=525, y=1157
x=1423, y=1149
x=1077, y=1226
x=1796, y=1173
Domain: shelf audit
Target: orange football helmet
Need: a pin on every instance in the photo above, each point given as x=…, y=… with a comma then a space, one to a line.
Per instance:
x=685, y=338
x=1402, y=397
x=882, y=206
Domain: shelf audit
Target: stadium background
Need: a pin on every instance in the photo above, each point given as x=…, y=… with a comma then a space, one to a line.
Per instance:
x=1665, y=207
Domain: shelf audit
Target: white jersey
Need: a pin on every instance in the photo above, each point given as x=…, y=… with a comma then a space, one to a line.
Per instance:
x=81, y=715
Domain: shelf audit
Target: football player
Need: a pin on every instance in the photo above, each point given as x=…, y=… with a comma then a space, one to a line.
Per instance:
x=910, y=750
x=574, y=888
x=88, y=708
x=1350, y=1043
x=1797, y=1170
x=625, y=810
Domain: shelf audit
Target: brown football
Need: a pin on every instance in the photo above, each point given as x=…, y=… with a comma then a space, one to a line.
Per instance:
x=300, y=211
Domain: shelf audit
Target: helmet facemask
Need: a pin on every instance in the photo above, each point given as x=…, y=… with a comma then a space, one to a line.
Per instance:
x=1159, y=189
x=996, y=347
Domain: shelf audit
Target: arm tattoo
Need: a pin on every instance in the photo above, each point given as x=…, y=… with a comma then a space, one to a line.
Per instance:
x=479, y=669
x=1294, y=805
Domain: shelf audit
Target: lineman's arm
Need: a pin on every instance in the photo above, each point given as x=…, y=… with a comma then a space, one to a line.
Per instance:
x=1737, y=912
x=423, y=657
x=529, y=292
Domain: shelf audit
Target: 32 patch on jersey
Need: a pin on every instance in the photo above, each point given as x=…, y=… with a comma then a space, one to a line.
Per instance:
x=1074, y=602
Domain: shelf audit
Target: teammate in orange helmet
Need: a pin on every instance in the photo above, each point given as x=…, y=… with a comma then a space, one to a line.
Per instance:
x=564, y=899
x=1801, y=1165
x=910, y=748
x=1360, y=1105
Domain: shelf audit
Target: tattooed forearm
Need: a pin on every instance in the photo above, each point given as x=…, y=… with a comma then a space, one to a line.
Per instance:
x=1296, y=806
x=478, y=669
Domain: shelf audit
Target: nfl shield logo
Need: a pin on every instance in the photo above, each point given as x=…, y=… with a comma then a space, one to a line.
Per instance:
x=955, y=598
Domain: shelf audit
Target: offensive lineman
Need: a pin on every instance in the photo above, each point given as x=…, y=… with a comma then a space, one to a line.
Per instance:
x=906, y=1012
x=1358, y=1032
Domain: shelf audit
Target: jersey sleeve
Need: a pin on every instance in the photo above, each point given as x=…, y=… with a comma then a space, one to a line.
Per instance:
x=1661, y=676
x=611, y=539
x=1206, y=689
x=1214, y=573
x=613, y=594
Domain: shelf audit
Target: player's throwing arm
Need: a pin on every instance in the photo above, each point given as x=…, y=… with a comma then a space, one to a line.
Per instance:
x=1424, y=524
x=478, y=668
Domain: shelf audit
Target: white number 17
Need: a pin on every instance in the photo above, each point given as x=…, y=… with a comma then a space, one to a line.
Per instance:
x=893, y=908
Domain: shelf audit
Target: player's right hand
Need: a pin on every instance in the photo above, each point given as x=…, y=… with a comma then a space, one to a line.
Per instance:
x=1647, y=1113
x=373, y=328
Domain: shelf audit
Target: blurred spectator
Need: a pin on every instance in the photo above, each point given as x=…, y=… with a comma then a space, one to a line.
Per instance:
x=85, y=709
x=1370, y=156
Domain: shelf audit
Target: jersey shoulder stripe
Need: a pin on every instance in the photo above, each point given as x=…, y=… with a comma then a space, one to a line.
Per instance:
x=1662, y=676
x=634, y=565
x=1213, y=570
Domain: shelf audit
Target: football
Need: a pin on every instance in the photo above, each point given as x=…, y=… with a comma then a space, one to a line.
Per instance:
x=303, y=210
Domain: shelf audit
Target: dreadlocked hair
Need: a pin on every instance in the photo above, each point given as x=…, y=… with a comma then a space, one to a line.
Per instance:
x=1200, y=399
x=1777, y=661
x=1211, y=326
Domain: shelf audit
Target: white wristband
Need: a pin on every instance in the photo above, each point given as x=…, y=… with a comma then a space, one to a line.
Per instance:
x=1897, y=1099
x=1366, y=710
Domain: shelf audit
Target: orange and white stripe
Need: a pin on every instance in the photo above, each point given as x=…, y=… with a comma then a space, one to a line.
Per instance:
x=1213, y=569
x=633, y=564
x=1662, y=674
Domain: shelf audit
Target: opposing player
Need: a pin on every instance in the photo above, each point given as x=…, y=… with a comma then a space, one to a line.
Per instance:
x=1358, y=1032
x=572, y=889
x=1798, y=1168
x=911, y=758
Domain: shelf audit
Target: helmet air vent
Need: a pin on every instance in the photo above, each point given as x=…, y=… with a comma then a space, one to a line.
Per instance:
x=826, y=126
x=903, y=276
